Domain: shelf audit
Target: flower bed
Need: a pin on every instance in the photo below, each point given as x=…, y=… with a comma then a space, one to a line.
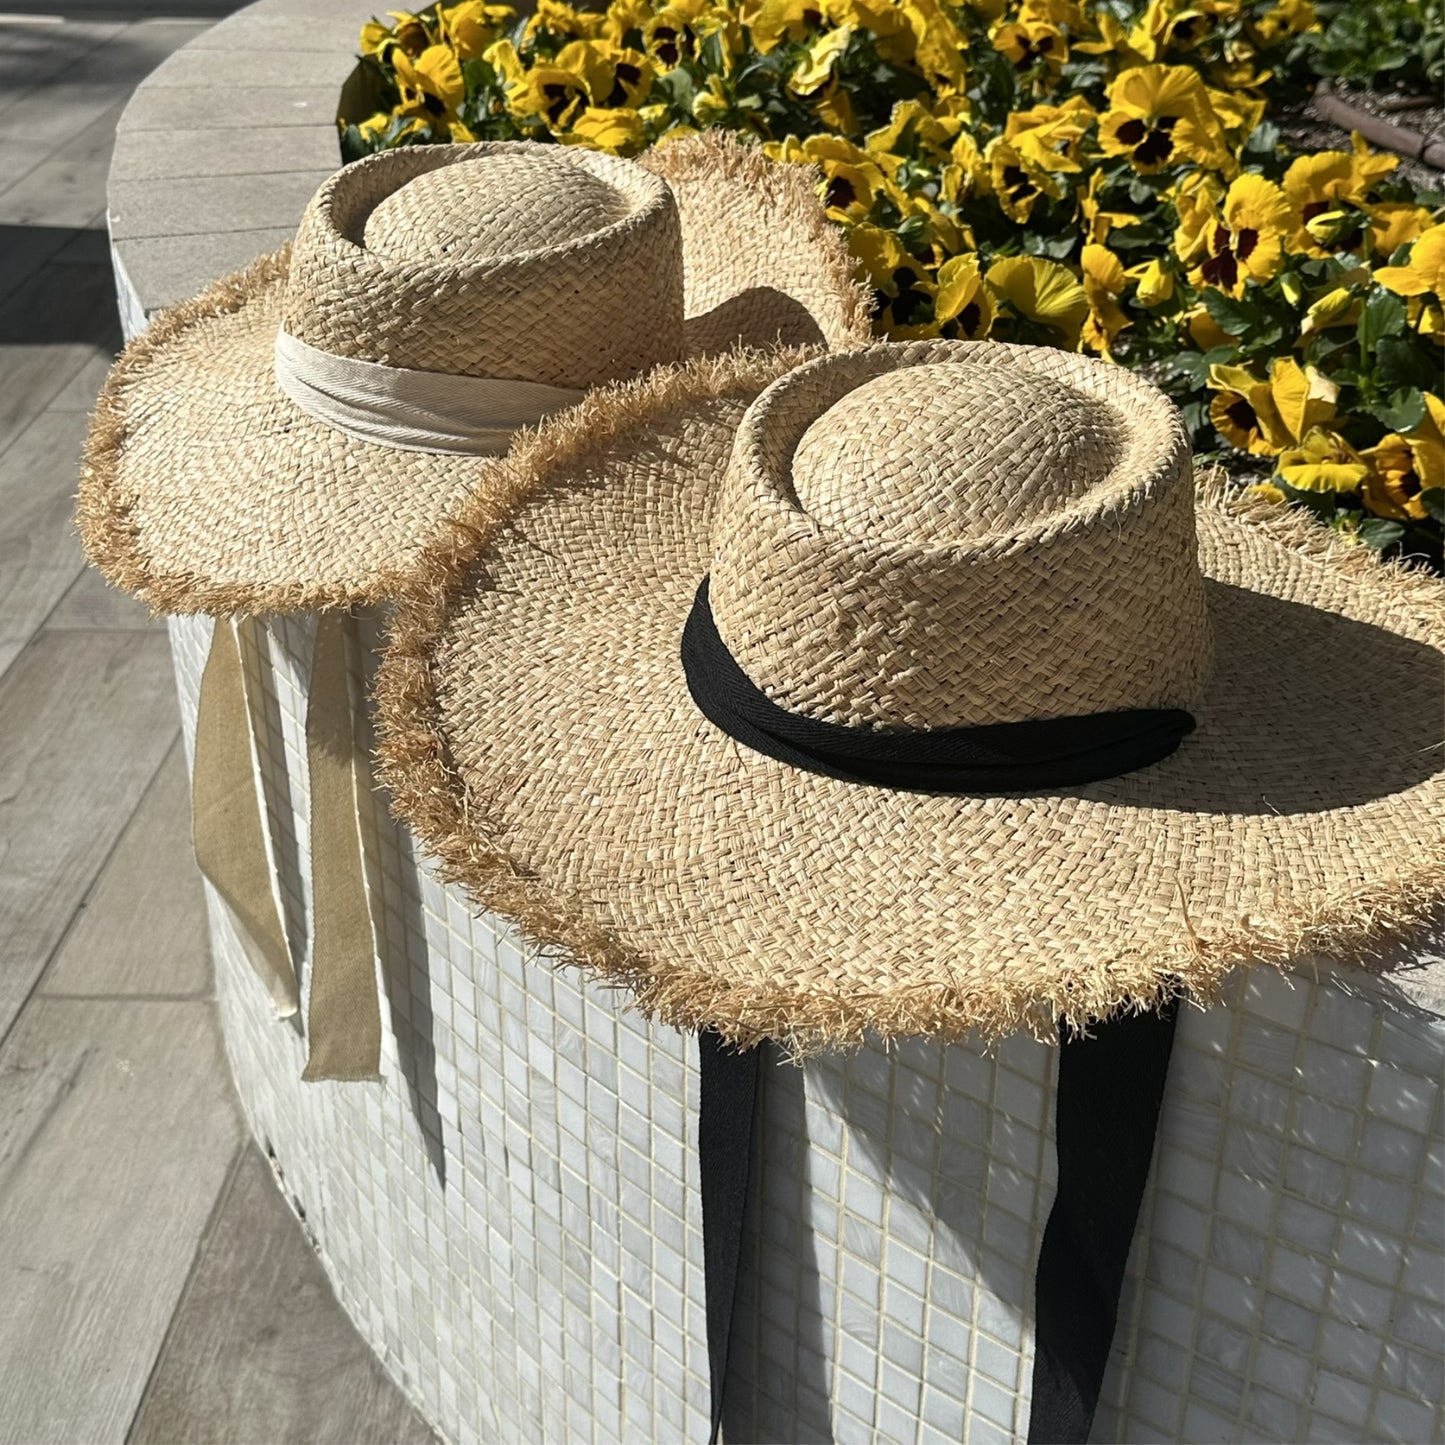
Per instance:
x=1098, y=176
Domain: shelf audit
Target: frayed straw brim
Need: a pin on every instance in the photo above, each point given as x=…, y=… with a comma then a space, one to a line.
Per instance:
x=538, y=735
x=205, y=489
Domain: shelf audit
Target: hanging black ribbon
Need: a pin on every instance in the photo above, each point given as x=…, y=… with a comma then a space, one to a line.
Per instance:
x=1106, y=1113
x=1015, y=757
x=1110, y=1085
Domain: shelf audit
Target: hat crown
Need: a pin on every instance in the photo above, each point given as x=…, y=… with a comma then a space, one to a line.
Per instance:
x=953, y=451
x=495, y=205
x=534, y=263
x=951, y=534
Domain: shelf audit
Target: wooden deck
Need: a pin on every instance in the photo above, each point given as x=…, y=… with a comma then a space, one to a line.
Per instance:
x=154, y=1287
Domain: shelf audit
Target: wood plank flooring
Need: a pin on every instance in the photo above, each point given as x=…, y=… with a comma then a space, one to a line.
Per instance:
x=154, y=1285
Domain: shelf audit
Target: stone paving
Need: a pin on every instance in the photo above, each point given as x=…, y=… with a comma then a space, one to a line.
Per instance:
x=153, y=1284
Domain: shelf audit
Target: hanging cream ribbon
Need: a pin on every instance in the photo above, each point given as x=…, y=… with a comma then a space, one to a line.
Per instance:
x=415, y=411
x=343, y=1013
x=407, y=411
x=226, y=818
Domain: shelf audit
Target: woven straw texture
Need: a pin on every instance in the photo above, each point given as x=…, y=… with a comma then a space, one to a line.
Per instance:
x=539, y=736
x=206, y=489
x=961, y=543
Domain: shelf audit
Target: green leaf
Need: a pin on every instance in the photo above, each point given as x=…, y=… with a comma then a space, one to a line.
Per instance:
x=1380, y=533
x=1322, y=504
x=1263, y=139
x=1382, y=316
x=1402, y=361
x=1236, y=317
x=1401, y=411
x=1433, y=501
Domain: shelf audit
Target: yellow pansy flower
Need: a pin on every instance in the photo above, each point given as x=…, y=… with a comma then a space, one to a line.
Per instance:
x=1288, y=17
x=964, y=303
x=1332, y=184
x=913, y=124
x=564, y=21
x=1105, y=281
x=1098, y=220
x=623, y=17
x=376, y=39
x=1059, y=129
x=1402, y=467
x=1028, y=42
x=1393, y=224
x=1244, y=241
x=1304, y=398
x=619, y=130
x=431, y=84
x=1159, y=115
x=938, y=44
x=551, y=94
x=775, y=21
x=1020, y=175
x=815, y=69
x=613, y=75
x=711, y=104
x=1168, y=25
x=1423, y=274
x=411, y=32
x=1339, y=307
x=1239, y=116
x=1244, y=412
x=472, y=25
x=1204, y=331
x=1043, y=292
x=503, y=58
x=1323, y=462
x=904, y=292
x=1109, y=37
x=1155, y=282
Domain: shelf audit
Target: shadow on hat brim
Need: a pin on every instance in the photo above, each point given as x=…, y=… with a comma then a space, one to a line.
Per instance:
x=538, y=735
x=206, y=489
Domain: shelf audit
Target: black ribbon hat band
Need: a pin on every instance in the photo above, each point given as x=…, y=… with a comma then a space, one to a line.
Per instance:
x=1062, y=752
x=1110, y=1084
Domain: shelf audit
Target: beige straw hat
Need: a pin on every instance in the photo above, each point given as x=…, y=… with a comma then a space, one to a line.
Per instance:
x=902, y=541
x=289, y=439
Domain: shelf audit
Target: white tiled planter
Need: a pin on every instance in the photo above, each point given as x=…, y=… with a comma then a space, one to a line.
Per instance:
x=512, y=1217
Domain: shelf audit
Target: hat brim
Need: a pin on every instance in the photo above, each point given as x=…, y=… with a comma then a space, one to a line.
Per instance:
x=538, y=734
x=206, y=489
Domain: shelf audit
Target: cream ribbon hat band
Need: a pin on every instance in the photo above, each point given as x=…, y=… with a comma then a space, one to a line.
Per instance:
x=413, y=411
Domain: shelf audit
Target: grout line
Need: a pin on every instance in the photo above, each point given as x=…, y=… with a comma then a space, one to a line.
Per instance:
x=223, y=1196
x=35, y=989
x=200, y=997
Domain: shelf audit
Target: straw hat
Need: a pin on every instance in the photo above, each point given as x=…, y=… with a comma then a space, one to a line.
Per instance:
x=289, y=439
x=901, y=541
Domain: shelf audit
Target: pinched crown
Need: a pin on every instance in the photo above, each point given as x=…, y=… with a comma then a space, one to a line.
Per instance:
x=942, y=534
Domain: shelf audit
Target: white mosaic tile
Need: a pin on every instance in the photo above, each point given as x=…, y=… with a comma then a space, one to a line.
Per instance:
x=511, y=1217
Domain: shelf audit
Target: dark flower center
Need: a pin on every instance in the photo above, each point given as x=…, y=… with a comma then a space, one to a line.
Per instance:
x=1158, y=145
x=840, y=193
x=1242, y=414
x=561, y=97
x=1017, y=184
x=624, y=75
x=970, y=318
x=1244, y=243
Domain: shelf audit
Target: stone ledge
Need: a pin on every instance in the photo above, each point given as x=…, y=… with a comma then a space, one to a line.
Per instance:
x=221, y=147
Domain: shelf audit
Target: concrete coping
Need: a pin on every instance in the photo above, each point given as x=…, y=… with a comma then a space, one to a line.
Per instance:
x=222, y=146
